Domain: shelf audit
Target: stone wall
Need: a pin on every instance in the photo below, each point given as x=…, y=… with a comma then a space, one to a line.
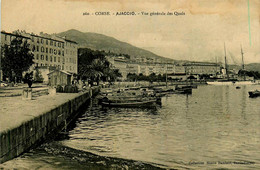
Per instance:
x=28, y=134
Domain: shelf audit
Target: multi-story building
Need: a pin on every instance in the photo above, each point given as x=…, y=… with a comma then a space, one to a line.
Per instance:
x=199, y=68
x=178, y=69
x=132, y=68
x=71, y=59
x=50, y=52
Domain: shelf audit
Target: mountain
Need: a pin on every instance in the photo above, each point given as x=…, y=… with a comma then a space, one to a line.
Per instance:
x=96, y=41
x=248, y=67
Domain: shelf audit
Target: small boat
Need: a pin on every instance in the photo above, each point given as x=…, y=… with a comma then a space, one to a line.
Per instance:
x=184, y=90
x=131, y=104
x=255, y=93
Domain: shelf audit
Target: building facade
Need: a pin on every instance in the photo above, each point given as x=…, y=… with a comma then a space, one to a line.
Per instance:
x=199, y=68
x=50, y=52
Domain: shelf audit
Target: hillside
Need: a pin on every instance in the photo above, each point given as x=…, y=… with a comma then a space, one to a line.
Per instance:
x=96, y=41
x=248, y=67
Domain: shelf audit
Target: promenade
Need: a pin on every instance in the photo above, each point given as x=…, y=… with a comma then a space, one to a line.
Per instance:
x=14, y=111
x=26, y=122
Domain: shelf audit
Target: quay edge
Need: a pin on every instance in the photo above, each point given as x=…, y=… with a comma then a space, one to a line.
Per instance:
x=17, y=140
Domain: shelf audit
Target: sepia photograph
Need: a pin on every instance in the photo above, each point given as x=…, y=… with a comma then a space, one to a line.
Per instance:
x=128, y=84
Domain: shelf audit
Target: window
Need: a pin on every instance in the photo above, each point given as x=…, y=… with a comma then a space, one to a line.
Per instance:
x=42, y=57
x=62, y=67
x=55, y=51
x=37, y=48
x=5, y=37
x=50, y=58
x=42, y=41
x=37, y=56
x=46, y=50
x=55, y=44
x=58, y=59
x=62, y=45
x=70, y=60
x=59, y=52
x=38, y=40
x=33, y=48
x=42, y=49
x=51, y=50
x=54, y=59
x=46, y=58
x=58, y=44
x=62, y=53
x=51, y=42
x=47, y=42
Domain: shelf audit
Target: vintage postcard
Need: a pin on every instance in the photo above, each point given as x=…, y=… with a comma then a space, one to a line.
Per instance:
x=116, y=84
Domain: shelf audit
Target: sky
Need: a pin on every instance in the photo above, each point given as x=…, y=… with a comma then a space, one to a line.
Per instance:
x=198, y=35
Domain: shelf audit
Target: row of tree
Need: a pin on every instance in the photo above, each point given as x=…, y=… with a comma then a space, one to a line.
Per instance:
x=254, y=74
x=152, y=77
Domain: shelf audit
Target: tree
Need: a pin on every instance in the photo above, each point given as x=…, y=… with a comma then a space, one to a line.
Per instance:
x=94, y=66
x=16, y=58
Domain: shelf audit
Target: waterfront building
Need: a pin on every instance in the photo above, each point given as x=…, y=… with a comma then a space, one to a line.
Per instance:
x=199, y=68
x=142, y=69
x=50, y=51
x=178, y=69
x=132, y=68
x=71, y=56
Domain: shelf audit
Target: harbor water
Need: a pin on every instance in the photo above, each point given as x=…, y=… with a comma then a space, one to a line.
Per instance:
x=215, y=127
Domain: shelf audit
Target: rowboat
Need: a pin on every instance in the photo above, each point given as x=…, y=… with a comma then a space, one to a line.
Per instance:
x=131, y=104
x=255, y=93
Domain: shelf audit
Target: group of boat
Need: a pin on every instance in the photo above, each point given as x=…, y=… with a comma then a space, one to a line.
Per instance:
x=137, y=97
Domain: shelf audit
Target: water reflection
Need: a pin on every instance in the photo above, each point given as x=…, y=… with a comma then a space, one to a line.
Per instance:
x=215, y=124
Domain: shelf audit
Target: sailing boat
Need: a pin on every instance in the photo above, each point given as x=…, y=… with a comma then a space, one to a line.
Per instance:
x=226, y=80
x=244, y=81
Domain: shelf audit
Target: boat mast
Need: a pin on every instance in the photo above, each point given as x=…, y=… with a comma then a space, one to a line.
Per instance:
x=243, y=64
x=226, y=66
x=166, y=75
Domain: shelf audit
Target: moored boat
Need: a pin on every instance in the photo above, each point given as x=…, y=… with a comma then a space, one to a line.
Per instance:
x=255, y=93
x=127, y=103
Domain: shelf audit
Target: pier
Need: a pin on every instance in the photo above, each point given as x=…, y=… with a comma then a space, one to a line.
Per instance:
x=25, y=123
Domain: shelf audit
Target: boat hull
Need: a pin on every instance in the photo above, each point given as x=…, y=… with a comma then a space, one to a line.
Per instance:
x=254, y=94
x=231, y=83
x=146, y=104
